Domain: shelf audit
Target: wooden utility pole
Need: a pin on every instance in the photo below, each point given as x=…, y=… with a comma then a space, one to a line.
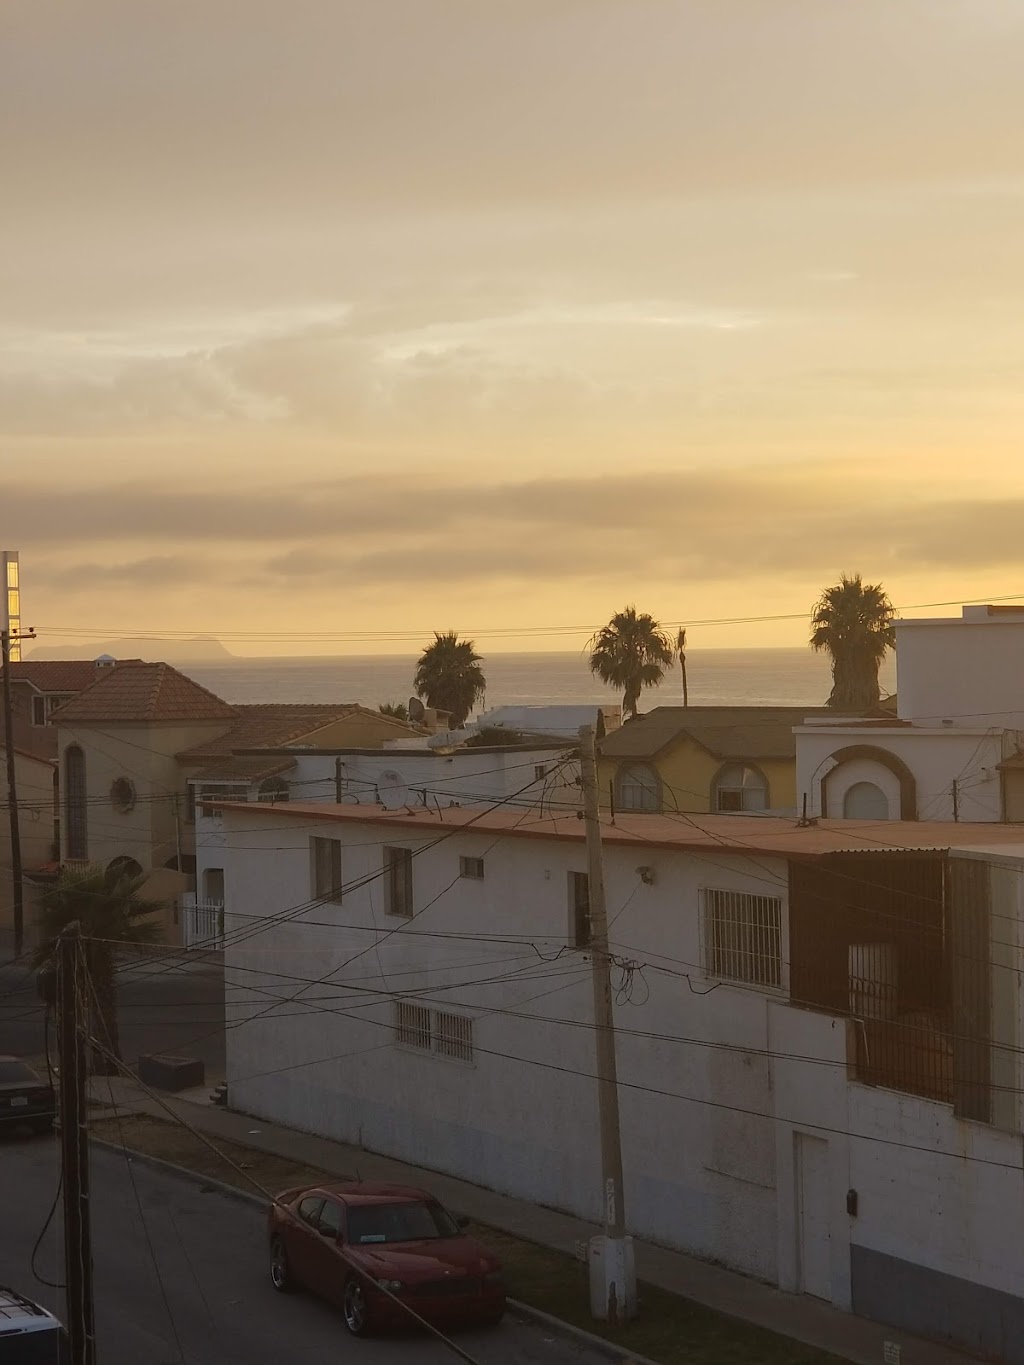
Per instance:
x=17, y=880
x=612, y=1276
x=956, y=799
x=72, y=1014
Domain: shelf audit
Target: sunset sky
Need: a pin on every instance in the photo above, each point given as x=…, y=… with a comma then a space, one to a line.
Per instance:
x=337, y=318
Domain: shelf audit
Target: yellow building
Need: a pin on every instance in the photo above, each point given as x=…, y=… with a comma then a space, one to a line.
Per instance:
x=698, y=759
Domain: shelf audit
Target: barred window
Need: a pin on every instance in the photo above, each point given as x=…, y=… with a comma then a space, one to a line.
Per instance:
x=412, y=1024
x=472, y=867
x=438, y=1031
x=742, y=936
x=453, y=1035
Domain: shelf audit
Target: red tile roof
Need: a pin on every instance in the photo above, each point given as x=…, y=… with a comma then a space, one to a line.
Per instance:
x=137, y=691
x=55, y=675
x=269, y=725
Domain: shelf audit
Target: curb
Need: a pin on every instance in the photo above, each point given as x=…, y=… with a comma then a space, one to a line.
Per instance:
x=621, y=1355
x=516, y=1308
x=157, y=1163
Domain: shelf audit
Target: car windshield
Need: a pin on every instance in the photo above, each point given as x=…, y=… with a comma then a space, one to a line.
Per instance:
x=412, y=1222
x=16, y=1073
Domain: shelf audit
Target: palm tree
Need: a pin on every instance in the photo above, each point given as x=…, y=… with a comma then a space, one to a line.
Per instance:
x=853, y=624
x=681, y=651
x=631, y=652
x=107, y=904
x=397, y=709
x=449, y=677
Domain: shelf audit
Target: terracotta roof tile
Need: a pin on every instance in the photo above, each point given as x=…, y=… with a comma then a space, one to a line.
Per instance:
x=728, y=732
x=267, y=725
x=55, y=675
x=271, y=724
x=137, y=691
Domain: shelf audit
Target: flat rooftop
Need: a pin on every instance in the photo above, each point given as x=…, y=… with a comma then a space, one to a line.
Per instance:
x=769, y=834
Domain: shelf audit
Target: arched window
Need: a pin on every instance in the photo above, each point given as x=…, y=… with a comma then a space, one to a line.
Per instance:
x=75, y=807
x=738, y=788
x=865, y=801
x=638, y=787
x=273, y=789
x=123, y=866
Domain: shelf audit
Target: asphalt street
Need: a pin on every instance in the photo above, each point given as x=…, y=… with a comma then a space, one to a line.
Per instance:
x=172, y=1006
x=181, y=1278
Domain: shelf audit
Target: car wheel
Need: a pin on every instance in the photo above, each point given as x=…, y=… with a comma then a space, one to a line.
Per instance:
x=355, y=1307
x=280, y=1271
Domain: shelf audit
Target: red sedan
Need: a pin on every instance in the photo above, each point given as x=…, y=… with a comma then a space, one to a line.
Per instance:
x=371, y=1249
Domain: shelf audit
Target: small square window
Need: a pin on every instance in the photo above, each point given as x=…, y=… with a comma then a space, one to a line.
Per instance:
x=325, y=857
x=579, y=909
x=540, y=772
x=742, y=936
x=472, y=867
x=398, y=878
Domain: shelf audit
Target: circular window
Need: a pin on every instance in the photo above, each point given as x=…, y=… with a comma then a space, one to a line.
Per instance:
x=122, y=794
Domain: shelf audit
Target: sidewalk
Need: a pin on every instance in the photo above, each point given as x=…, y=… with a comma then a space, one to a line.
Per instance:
x=804, y=1319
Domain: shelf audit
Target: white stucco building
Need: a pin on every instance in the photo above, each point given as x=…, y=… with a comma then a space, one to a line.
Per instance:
x=820, y=1030
x=953, y=749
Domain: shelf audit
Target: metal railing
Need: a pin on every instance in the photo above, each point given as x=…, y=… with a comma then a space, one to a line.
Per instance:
x=202, y=922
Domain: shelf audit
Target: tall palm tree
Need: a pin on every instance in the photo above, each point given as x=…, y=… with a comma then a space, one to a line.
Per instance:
x=853, y=624
x=681, y=651
x=107, y=904
x=449, y=677
x=632, y=652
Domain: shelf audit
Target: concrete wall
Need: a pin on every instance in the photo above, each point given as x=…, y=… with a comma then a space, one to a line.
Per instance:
x=144, y=754
x=523, y=1117
x=687, y=772
x=35, y=825
x=936, y=757
x=964, y=670
x=743, y=1135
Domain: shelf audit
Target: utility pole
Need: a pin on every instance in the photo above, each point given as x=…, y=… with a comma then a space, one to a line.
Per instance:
x=612, y=1271
x=12, y=788
x=72, y=1013
x=956, y=799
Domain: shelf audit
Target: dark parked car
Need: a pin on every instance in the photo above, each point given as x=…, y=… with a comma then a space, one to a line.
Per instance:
x=351, y=1242
x=29, y=1335
x=25, y=1097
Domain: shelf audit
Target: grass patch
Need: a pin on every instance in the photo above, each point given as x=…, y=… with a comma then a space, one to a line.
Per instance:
x=669, y=1329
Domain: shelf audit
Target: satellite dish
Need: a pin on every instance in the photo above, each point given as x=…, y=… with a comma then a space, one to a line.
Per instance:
x=415, y=709
x=393, y=792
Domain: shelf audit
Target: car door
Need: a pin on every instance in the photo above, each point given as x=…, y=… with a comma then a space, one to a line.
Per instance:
x=303, y=1240
x=330, y=1269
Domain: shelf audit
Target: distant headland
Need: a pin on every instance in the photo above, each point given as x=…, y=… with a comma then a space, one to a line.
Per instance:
x=200, y=649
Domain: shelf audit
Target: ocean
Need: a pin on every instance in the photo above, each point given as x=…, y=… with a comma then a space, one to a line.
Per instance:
x=725, y=677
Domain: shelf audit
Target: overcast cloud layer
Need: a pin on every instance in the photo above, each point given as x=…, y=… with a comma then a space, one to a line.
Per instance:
x=506, y=313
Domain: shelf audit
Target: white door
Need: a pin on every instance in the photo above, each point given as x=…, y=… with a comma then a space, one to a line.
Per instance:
x=815, y=1248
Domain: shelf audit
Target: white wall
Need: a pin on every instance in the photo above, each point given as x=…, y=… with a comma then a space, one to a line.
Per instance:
x=936, y=757
x=523, y=1117
x=720, y=1085
x=969, y=671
